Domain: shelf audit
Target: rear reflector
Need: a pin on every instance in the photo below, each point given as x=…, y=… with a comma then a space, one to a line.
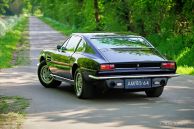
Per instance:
x=107, y=67
x=170, y=65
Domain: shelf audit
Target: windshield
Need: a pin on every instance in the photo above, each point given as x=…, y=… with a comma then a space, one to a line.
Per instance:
x=120, y=42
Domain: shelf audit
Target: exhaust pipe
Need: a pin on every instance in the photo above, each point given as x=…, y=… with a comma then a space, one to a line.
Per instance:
x=162, y=82
x=112, y=84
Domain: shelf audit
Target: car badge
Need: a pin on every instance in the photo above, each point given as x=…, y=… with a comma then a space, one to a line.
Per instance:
x=138, y=65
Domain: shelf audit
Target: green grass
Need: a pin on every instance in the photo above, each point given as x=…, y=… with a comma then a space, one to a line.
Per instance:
x=12, y=111
x=185, y=70
x=22, y=53
x=174, y=47
x=64, y=29
x=9, y=42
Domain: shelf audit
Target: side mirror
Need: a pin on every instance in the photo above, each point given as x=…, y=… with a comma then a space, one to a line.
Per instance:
x=59, y=47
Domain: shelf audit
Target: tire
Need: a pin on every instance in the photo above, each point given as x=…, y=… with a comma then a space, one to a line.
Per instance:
x=155, y=92
x=45, y=78
x=82, y=89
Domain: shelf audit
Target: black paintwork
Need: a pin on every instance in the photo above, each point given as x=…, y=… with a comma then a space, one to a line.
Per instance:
x=63, y=62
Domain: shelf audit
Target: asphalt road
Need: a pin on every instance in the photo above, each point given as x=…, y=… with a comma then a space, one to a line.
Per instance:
x=60, y=109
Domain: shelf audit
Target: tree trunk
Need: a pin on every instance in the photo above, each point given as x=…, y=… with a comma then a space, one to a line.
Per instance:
x=127, y=15
x=97, y=17
x=179, y=6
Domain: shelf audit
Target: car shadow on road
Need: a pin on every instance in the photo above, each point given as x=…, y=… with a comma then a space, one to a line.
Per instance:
x=108, y=95
x=113, y=109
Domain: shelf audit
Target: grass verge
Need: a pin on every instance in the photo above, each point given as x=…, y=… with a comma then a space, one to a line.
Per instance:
x=165, y=46
x=13, y=43
x=12, y=111
x=185, y=70
x=22, y=52
x=64, y=29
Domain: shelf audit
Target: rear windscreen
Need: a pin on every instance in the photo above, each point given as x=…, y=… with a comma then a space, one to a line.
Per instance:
x=120, y=42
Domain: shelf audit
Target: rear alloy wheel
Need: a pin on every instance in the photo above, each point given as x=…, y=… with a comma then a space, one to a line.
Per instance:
x=79, y=84
x=45, y=78
x=154, y=92
x=82, y=89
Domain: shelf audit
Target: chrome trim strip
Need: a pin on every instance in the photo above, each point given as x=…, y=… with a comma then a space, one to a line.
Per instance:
x=62, y=78
x=132, y=76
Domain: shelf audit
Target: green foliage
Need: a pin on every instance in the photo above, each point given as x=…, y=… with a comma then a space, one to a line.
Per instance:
x=12, y=104
x=176, y=47
x=6, y=23
x=111, y=21
x=63, y=28
x=168, y=24
x=9, y=41
x=3, y=5
x=11, y=7
x=88, y=16
x=185, y=70
x=186, y=57
x=140, y=16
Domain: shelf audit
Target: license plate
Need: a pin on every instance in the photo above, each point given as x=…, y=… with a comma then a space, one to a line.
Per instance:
x=137, y=83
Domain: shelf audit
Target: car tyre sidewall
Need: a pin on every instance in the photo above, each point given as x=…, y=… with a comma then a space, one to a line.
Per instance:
x=155, y=92
x=86, y=90
x=53, y=83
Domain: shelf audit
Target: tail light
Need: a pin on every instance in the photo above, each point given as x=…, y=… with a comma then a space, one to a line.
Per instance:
x=170, y=65
x=107, y=67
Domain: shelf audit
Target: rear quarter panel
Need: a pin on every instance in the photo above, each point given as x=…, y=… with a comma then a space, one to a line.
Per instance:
x=89, y=64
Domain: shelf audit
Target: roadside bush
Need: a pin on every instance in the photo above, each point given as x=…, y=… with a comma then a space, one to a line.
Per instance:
x=7, y=23
x=10, y=40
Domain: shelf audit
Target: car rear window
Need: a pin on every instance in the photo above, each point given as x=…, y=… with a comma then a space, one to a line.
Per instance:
x=120, y=42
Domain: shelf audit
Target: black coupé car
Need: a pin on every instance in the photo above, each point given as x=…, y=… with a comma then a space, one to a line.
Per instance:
x=96, y=61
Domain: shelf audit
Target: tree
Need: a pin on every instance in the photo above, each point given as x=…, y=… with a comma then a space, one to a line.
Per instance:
x=97, y=15
x=3, y=5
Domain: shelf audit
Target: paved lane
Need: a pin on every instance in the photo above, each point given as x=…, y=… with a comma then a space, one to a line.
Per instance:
x=60, y=109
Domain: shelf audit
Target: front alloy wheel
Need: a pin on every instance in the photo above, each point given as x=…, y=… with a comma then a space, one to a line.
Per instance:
x=44, y=76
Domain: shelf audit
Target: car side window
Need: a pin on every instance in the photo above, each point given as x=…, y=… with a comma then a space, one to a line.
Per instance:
x=72, y=43
x=81, y=46
x=89, y=49
x=84, y=47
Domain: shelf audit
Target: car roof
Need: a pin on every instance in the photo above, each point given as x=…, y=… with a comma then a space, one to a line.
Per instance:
x=99, y=35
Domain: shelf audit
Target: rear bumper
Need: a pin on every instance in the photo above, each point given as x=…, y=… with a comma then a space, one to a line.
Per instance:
x=137, y=82
x=133, y=76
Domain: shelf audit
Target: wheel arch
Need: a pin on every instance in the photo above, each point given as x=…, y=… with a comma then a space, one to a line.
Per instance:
x=42, y=58
x=74, y=68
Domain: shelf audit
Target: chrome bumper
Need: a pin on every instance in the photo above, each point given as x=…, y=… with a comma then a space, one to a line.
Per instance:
x=133, y=76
